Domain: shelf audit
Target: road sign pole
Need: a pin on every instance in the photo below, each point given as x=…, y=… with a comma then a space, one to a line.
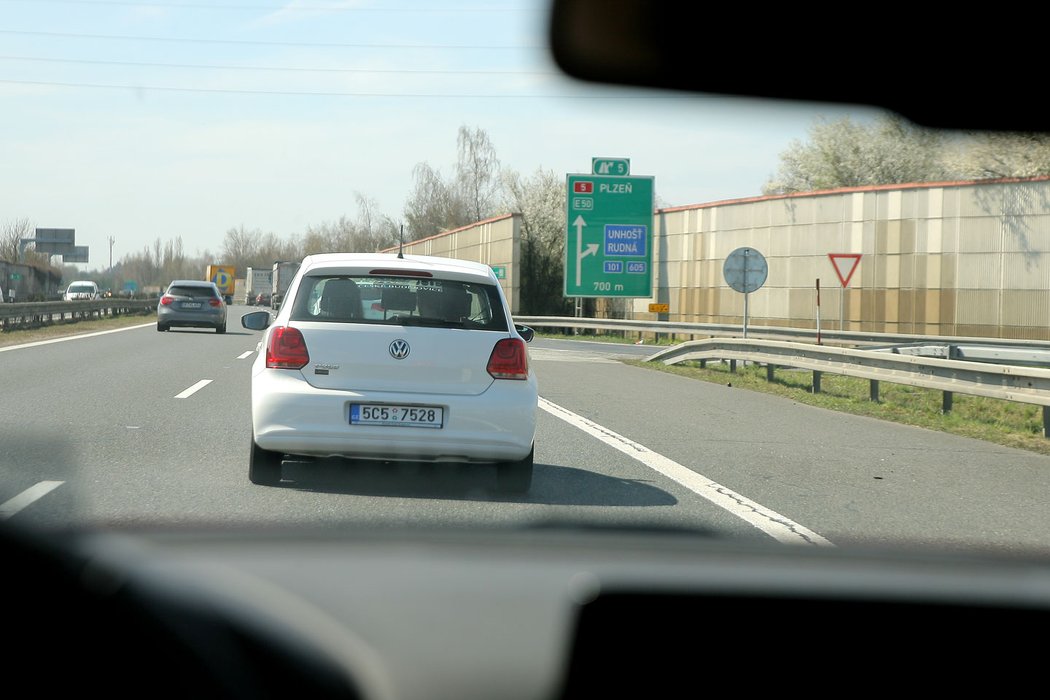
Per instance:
x=746, y=293
x=842, y=306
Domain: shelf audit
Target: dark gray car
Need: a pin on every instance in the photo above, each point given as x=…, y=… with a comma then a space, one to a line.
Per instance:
x=193, y=304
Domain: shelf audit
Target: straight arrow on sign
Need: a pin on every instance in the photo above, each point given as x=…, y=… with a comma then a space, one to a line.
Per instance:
x=845, y=265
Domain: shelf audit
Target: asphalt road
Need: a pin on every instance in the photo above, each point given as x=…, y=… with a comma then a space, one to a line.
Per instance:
x=139, y=428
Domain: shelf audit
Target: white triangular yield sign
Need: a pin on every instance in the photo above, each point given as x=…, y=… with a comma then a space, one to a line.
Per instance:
x=845, y=265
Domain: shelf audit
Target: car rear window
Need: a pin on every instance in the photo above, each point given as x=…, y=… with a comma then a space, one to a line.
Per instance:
x=192, y=291
x=81, y=288
x=400, y=301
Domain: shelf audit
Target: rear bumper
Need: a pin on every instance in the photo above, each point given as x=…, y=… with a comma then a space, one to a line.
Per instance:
x=202, y=319
x=291, y=416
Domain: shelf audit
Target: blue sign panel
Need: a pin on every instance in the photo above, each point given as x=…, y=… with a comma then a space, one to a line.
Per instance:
x=636, y=268
x=625, y=240
x=613, y=266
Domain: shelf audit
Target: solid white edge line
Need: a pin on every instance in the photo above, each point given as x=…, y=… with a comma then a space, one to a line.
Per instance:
x=770, y=522
x=27, y=497
x=194, y=389
x=73, y=337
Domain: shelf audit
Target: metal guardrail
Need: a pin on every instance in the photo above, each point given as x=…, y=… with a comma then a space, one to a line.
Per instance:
x=42, y=313
x=1007, y=382
x=834, y=337
x=1020, y=383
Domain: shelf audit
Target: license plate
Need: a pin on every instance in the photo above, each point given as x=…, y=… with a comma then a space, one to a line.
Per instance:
x=191, y=304
x=405, y=416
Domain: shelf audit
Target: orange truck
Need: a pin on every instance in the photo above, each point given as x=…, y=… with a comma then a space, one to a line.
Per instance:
x=224, y=277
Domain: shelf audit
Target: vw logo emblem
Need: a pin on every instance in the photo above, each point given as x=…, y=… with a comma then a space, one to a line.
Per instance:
x=399, y=349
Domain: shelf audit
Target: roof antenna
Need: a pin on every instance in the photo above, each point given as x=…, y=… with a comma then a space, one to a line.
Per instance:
x=401, y=248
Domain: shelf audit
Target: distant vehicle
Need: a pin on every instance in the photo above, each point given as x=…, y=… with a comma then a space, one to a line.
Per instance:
x=256, y=281
x=224, y=277
x=439, y=374
x=193, y=304
x=283, y=272
x=81, y=290
x=262, y=299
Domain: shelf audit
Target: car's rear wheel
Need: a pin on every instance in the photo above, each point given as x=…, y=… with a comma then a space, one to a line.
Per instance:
x=222, y=328
x=515, y=478
x=161, y=327
x=264, y=466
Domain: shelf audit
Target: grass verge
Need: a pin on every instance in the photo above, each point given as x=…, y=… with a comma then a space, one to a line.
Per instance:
x=68, y=328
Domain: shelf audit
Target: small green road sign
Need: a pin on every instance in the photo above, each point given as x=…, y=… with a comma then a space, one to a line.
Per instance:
x=501, y=272
x=609, y=244
x=16, y=276
x=611, y=166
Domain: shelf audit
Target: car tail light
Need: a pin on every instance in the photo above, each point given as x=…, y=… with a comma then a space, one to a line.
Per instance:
x=215, y=302
x=286, y=349
x=166, y=300
x=509, y=360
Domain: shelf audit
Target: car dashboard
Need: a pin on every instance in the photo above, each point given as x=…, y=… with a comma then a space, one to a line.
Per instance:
x=543, y=612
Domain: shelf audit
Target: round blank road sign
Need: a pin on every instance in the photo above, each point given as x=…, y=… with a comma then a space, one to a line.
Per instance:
x=745, y=270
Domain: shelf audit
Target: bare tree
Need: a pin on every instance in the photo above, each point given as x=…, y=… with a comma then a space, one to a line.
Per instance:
x=375, y=230
x=11, y=235
x=477, y=172
x=433, y=205
x=437, y=204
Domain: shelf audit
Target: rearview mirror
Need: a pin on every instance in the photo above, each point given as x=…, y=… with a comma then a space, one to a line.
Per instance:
x=644, y=43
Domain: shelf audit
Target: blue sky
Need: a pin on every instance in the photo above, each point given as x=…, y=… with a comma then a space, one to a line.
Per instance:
x=143, y=120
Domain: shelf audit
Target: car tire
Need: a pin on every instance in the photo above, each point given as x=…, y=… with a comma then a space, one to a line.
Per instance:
x=222, y=328
x=264, y=466
x=515, y=478
x=161, y=327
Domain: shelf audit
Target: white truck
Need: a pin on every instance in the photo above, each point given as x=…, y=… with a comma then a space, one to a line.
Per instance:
x=258, y=281
x=283, y=272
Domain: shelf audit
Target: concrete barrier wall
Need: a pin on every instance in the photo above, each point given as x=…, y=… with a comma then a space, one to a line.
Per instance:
x=961, y=258
x=495, y=242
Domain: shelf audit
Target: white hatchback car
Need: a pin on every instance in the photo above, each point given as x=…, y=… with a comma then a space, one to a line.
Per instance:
x=82, y=290
x=380, y=357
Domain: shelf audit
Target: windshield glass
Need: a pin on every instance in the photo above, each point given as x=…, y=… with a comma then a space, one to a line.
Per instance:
x=391, y=300
x=804, y=323
x=197, y=291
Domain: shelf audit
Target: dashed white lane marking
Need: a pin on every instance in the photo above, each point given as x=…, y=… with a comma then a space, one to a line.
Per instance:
x=194, y=389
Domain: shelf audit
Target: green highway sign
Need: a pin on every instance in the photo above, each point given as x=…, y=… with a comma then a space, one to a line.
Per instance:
x=611, y=166
x=609, y=244
x=501, y=271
